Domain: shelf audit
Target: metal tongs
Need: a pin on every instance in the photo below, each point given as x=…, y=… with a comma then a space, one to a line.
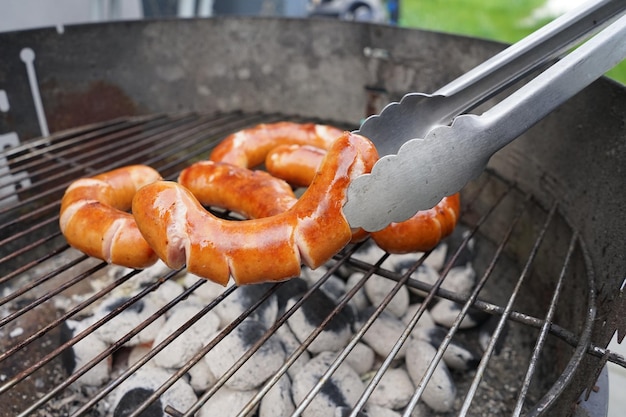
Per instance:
x=432, y=147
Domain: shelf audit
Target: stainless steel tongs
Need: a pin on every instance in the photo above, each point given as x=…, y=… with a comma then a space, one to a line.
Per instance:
x=432, y=148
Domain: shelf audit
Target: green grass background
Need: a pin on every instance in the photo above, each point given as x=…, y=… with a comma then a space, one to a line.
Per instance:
x=501, y=20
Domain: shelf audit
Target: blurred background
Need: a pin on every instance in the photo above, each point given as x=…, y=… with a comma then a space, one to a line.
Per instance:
x=506, y=21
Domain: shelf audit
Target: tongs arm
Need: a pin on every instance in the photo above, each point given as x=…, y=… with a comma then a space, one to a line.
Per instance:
x=425, y=170
x=420, y=112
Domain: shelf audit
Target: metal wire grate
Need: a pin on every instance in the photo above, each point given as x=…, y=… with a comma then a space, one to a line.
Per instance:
x=39, y=272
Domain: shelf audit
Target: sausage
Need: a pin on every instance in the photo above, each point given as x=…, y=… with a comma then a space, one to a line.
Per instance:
x=253, y=194
x=420, y=233
x=298, y=166
x=294, y=163
x=94, y=220
x=248, y=148
x=251, y=251
x=423, y=231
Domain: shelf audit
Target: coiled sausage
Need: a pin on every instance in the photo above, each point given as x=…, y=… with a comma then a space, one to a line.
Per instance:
x=253, y=194
x=248, y=148
x=94, y=220
x=294, y=163
x=267, y=249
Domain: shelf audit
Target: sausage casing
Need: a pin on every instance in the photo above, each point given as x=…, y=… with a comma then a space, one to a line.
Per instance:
x=294, y=163
x=248, y=148
x=94, y=220
x=253, y=194
x=423, y=231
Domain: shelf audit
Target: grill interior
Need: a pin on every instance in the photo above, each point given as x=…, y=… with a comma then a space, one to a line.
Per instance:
x=533, y=273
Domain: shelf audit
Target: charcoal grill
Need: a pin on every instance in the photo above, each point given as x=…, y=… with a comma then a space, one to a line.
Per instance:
x=546, y=218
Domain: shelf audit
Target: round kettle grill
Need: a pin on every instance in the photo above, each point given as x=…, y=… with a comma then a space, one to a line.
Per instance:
x=543, y=226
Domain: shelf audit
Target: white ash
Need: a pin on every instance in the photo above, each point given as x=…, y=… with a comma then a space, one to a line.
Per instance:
x=293, y=288
x=131, y=393
x=458, y=355
x=425, y=320
x=158, y=270
x=342, y=389
x=395, y=261
x=115, y=272
x=166, y=292
x=347, y=411
x=258, y=368
x=311, y=314
x=131, y=317
x=394, y=390
x=17, y=332
x=399, y=262
x=201, y=377
x=402, y=262
x=227, y=402
x=440, y=391
x=278, y=401
x=311, y=276
x=421, y=410
x=140, y=310
x=383, y=333
x=437, y=257
x=377, y=288
x=425, y=274
x=460, y=279
x=333, y=286
x=137, y=352
x=445, y=312
x=359, y=301
x=369, y=253
x=373, y=410
x=79, y=354
x=208, y=291
x=183, y=347
x=361, y=358
x=290, y=344
x=242, y=299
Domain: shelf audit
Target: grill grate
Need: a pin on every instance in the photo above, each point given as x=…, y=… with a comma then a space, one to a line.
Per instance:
x=40, y=273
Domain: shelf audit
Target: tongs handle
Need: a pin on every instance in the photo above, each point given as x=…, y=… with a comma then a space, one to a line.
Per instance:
x=532, y=102
x=426, y=111
x=426, y=170
x=536, y=49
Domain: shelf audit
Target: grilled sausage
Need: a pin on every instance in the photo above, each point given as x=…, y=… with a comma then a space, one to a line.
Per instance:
x=248, y=147
x=267, y=249
x=294, y=163
x=421, y=232
x=253, y=194
x=94, y=220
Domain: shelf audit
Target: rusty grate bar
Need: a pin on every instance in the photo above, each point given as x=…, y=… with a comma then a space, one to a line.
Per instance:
x=532, y=366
